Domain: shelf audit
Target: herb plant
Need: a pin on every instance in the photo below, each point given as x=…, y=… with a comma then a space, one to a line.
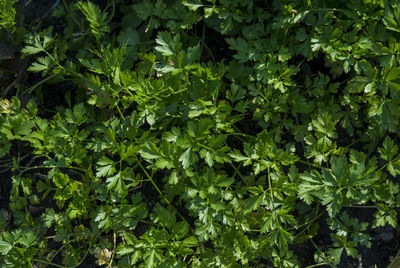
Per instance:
x=201, y=133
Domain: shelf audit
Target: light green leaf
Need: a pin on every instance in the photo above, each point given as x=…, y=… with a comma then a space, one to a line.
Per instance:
x=60, y=179
x=391, y=24
x=149, y=151
x=167, y=45
x=192, y=4
x=150, y=259
x=173, y=178
x=187, y=158
x=5, y=247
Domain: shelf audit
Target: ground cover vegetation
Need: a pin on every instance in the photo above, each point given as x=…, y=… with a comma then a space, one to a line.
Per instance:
x=196, y=133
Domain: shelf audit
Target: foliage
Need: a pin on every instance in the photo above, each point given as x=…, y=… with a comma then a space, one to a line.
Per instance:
x=7, y=15
x=203, y=133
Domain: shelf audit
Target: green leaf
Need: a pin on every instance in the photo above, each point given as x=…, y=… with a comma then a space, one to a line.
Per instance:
x=149, y=151
x=150, y=259
x=31, y=50
x=187, y=158
x=7, y=15
x=77, y=116
x=129, y=37
x=173, y=178
x=37, y=42
x=192, y=4
x=391, y=24
x=123, y=250
x=389, y=150
x=167, y=45
x=60, y=179
x=335, y=254
x=19, y=127
x=180, y=229
x=238, y=157
x=97, y=19
x=190, y=241
x=389, y=117
x=333, y=202
x=106, y=167
x=393, y=74
x=5, y=247
x=29, y=238
x=164, y=216
x=42, y=64
x=49, y=217
x=253, y=203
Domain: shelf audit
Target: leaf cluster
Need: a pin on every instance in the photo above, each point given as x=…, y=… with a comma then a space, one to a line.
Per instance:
x=203, y=133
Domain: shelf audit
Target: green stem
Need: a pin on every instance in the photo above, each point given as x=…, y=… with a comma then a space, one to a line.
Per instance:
x=395, y=259
x=385, y=165
x=119, y=111
x=29, y=90
x=316, y=265
x=359, y=206
x=203, y=36
x=238, y=172
x=328, y=9
x=49, y=263
x=270, y=186
x=241, y=133
x=162, y=195
x=307, y=223
x=113, y=252
x=62, y=266
x=206, y=147
x=351, y=144
x=59, y=250
x=312, y=165
x=36, y=167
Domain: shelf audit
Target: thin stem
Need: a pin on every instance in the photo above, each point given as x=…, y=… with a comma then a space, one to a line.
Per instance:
x=113, y=252
x=59, y=250
x=385, y=165
x=119, y=111
x=394, y=261
x=316, y=265
x=307, y=223
x=203, y=36
x=359, y=206
x=356, y=141
x=161, y=194
x=238, y=172
x=206, y=147
x=270, y=186
x=29, y=90
x=241, y=133
x=327, y=9
x=312, y=165
x=36, y=167
x=49, y=263
x=62, y=266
